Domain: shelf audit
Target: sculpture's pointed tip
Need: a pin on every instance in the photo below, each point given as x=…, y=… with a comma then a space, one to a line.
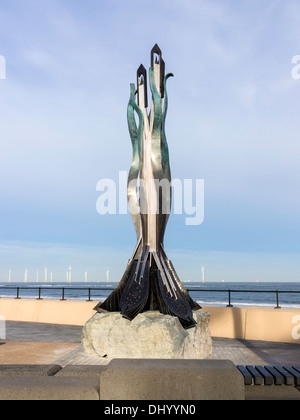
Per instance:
x=156, y=49
x=142, y=81
x=141, y=69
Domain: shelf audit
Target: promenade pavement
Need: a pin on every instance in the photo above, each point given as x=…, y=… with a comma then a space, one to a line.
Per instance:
x=35, y=343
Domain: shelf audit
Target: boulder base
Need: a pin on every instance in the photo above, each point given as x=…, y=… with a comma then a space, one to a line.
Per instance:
x=150, y=335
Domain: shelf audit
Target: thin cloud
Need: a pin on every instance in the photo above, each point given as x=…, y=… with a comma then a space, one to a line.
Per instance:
x=233, y=115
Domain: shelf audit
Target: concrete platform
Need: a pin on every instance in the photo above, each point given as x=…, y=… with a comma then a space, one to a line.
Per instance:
x=68, y=338
x=33, y=353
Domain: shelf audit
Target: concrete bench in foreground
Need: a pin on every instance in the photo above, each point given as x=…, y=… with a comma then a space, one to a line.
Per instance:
x=141, y=379
x=153, y=379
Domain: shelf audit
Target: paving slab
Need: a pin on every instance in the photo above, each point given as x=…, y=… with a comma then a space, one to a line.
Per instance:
x=78, y=357
x=42, y=333
x=33, y=353
x=240, y=352
x=256, y=353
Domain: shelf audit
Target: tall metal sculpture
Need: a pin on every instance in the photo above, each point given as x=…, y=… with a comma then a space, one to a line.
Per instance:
x=150, y=281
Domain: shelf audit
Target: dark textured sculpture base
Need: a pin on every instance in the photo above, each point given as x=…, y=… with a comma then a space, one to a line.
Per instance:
x=144, y=287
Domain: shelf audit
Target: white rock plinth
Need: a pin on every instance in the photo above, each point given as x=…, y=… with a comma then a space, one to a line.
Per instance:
x=150, y=335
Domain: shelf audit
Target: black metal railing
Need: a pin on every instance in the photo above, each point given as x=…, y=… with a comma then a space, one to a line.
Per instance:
x=229, y=292
x=42, y=290
x=90, y=292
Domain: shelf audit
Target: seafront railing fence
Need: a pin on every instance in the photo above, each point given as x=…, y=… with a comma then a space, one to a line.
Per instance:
x=41, y=292
x=230, y=292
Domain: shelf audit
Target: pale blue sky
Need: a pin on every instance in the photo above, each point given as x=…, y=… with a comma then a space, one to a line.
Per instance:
x=233, y=120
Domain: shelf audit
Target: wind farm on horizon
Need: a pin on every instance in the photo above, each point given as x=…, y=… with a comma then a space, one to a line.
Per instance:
x=48, y=278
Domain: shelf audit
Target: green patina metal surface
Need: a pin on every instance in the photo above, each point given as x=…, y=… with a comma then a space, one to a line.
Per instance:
x=136, y=134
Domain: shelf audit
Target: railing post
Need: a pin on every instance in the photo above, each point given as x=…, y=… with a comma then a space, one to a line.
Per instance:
x=63, y=294
x=18, y=293
x=277, y=300
x=39, y=298
x=229, y=299
x=89, y=299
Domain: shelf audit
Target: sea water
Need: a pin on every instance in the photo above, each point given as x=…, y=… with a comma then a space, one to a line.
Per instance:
x=210, y=293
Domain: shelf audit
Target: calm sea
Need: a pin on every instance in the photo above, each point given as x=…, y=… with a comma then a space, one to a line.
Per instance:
x=242, y=294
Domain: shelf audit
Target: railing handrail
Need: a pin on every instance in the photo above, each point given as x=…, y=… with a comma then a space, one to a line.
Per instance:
x=113, y=288
x=89, y=289
x=243, y=291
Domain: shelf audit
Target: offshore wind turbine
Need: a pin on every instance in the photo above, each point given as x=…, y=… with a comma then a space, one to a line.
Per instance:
x=70, y=274
x=202, y=270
